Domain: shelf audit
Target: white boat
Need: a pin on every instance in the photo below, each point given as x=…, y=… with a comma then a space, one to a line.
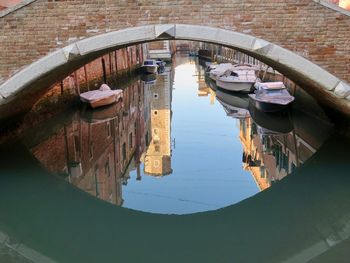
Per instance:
x=101, y=97
x=219, y=70
x=271, y=96
x=241, y=78
x=210, y=66
x=150, y=66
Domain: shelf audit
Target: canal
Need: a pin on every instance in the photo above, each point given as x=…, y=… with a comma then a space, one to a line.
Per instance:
x=179, y=171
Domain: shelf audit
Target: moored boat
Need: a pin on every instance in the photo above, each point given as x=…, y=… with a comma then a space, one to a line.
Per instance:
x=150, y=66
x=235, y=105
x=101, y=97
x=219, y=70
x=271, y=97
x=239, y=79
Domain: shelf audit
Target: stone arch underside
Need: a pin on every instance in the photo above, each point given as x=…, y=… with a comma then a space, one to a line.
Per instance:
x=48, y=69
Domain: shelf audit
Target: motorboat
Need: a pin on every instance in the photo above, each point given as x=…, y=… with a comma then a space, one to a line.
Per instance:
x=238, y=78
x=101, y=97
x=271, y=96
x=161, y=65
x=235, y=105
x=210, y=66
x=219, y=70
x=150, y=66
x=193, y=53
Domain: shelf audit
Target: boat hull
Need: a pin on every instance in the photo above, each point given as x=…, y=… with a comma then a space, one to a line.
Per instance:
x=235, y=86
x=95, y=103
x=212, y=76
x=238, y=100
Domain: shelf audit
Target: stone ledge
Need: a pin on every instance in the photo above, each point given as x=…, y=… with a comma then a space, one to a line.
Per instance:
x=334, y=7
x=15, y=7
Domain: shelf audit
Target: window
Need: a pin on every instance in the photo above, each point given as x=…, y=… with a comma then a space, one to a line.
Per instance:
x=130, y=140
x=124, y=151
x=156, y=163
x=155, y=95
x=107, y=172
x=109, y=131
x=155, y=112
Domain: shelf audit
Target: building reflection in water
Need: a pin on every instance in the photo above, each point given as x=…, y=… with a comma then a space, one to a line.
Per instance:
x=157, y=157
x=99, y=148
x=268, y=156
x=272, y=147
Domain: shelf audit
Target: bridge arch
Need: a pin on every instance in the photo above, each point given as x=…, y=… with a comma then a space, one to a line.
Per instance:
x=65, y=59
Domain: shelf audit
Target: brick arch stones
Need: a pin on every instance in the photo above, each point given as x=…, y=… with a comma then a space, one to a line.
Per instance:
x=285, y=25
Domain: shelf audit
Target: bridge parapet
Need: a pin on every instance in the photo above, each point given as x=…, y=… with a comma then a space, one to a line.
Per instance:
x=299, y=28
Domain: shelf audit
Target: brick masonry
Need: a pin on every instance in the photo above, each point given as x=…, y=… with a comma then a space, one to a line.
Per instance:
x=303, y=26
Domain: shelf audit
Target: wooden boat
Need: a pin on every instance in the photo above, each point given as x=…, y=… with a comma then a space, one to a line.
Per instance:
x=101, y=97
x=240, y=78
x=271, y=97
x=150, y=66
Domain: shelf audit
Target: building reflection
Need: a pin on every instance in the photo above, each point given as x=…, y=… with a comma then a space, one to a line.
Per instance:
x=157, y=157
x=99, y=148
x=274, y=145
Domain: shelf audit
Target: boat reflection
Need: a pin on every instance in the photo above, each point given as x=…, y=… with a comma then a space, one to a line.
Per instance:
x=274, y=144
x=235, y=105
x=279, y=122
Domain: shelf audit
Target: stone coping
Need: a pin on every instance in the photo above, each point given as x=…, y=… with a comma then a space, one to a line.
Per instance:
x=15, y=7
x=325, y=3
x=334, y=7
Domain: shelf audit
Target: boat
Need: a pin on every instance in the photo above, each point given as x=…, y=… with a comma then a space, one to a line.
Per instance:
x=219, y=70
x=210, y=66
x=238, y=78
x=150, y=66
x=101, y=97
x=193, y=53
x=235, y=105
x=271, y=97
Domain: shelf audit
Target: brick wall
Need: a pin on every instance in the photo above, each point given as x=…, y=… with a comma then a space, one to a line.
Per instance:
x=303, y=26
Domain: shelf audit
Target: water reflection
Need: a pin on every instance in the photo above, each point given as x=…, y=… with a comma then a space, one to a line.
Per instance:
x=110, y=152
x=121, y=155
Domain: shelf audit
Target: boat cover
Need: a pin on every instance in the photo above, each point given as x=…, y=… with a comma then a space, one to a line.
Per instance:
x=103, y=92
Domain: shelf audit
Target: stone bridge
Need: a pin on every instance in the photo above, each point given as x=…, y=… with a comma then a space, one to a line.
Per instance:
x=306, y=40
